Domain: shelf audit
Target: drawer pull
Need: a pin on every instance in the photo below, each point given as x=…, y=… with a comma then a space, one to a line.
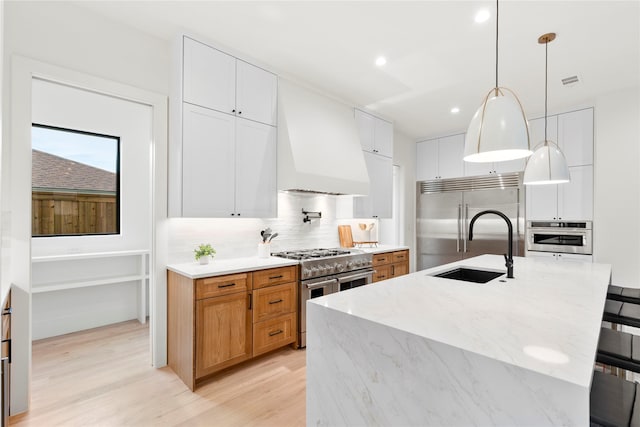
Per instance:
x=276, y=277
x=274, y=333
x=228, y=285
x=276, y=301
x=7, y=311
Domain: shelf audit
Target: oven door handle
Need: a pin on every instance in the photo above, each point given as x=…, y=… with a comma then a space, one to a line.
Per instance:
x=357, y=276
x=322, y=284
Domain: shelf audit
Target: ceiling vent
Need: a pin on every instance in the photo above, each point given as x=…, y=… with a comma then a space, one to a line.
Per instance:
x=570, y=81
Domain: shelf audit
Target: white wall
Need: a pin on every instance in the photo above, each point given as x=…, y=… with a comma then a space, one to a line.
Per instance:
x=616, y=222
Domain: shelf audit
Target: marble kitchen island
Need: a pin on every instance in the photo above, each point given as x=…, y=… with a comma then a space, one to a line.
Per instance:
x=422, y=350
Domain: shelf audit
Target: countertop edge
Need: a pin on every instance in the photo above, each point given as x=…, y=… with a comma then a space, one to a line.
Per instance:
x=237, y=265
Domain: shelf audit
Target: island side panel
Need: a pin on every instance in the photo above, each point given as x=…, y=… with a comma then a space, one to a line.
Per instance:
x=362, y=373
x=180, y=327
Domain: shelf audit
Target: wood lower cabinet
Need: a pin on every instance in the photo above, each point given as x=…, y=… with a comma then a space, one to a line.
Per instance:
x=217, y=322
x=223, y=332
x=390, y=264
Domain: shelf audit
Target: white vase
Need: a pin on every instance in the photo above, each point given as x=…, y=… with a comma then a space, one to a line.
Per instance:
x=204, y=260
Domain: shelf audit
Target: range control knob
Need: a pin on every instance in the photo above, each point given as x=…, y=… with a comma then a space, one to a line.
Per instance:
x=339, y=267
x=306, y=272
x=349, y=264
x=314, y=271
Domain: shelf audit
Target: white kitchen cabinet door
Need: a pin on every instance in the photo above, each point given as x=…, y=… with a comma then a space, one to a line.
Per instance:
x=575, y=136
x=510, y=166
x=542, y=202
x=574, y=258
x=209, y=77
x=575, y=199
x=256, y=93
x=427, y=160
x=255, y=172
x=208, y=163
x=450, y=152
x=383, y=137
x=477, y=169
x=379, y=202
x=536, y=131
x=532, y=254
x=366, y=128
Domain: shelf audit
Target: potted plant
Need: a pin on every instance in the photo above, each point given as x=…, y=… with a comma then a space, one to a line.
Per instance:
x=204, y=252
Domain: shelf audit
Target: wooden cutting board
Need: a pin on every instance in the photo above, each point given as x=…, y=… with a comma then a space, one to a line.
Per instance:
x=346, y=238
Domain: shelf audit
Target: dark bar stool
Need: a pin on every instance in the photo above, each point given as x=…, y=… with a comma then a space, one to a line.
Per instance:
x=622, y=313
x=619, y=293
x=619, y=349
x=613, y=401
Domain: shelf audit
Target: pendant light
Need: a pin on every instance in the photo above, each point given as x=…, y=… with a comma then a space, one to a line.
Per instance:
x=498, y=131
x=547, y=165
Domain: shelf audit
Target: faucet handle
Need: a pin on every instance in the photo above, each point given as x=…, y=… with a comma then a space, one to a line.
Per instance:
x=507, y=260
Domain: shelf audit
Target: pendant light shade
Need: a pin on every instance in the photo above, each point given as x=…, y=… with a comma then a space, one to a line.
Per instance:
x=498, y=131
x=547, y=165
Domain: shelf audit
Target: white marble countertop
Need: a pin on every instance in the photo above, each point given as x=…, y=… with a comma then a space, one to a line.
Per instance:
x=547, y=319
x=216, y=267
x=381, y=248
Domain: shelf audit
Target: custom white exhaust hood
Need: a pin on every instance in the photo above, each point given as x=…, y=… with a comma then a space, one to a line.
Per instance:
x=318, y=145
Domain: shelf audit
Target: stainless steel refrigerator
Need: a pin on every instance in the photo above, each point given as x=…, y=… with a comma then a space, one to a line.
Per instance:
x=445, y=208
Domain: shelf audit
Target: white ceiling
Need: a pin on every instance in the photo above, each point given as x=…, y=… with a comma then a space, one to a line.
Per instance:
x=438, y=57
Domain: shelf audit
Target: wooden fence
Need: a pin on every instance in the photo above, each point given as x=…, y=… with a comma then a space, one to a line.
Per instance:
x=73, y=213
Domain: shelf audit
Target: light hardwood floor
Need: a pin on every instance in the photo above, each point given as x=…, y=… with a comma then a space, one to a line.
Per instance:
x=103, y=377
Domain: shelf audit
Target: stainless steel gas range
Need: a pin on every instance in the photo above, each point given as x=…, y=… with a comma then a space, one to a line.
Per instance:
x=325, y=271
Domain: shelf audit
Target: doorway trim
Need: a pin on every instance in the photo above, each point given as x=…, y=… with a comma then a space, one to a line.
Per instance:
x=23, y=71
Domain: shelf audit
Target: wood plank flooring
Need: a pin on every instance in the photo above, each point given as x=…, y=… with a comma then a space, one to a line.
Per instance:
x=104, y=377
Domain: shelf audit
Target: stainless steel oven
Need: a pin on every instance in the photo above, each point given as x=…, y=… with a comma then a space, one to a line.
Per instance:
x=310, y=289
x=354, y=279
x=573, y=237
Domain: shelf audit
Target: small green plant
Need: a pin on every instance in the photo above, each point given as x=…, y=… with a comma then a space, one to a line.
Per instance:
x=204, y=250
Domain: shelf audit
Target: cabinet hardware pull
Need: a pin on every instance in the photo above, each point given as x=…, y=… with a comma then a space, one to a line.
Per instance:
x=233, y=111
x=8, y=341
x=279, y=331
x=250, y=301
x=275, y=277
x=7, y=311
x=239, y=112
x=228, y=285
x=393, y=270
x=276, y=301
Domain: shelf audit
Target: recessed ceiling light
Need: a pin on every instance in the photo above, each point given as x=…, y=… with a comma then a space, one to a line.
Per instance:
x=455, y=110
x=380, y=61
x=482, y=16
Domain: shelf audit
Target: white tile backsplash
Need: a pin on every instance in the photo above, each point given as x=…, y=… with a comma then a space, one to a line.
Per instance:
x=239, y=237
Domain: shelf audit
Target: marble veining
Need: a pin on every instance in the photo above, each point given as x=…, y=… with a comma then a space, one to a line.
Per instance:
x=420, y=350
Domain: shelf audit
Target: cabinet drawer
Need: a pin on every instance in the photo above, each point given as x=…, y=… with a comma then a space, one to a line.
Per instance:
x=382, y=273
x=274, y=333
x=274, y=301
x=400, y=256
x=381, y=259
x=399, y=269
x=221, y=285
x=274, y=276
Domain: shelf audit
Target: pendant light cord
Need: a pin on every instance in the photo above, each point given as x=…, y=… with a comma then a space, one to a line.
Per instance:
x=497, y=13
x=546, y=68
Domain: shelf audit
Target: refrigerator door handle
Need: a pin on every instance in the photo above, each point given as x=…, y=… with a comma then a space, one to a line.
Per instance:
x=464, y=230
x=459, y=228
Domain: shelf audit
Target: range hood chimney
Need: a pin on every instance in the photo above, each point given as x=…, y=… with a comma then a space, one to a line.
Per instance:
x=318, y=145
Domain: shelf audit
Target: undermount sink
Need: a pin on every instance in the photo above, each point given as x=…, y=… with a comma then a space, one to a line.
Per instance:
x=469, y=275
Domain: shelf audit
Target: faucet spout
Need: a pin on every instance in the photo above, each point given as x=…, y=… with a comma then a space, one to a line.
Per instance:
x=507, y=257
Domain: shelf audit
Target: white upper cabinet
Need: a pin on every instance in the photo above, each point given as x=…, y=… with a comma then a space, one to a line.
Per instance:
x=575, y=199
x=216, y=80
x=209, y=77
x=376, y=135
x=208, y=154
x=536, y=131
x=256, y=93
x=222, y=147
x=255, y=170
x=440, y=158
x=575, y=136
x=570, y=201
x=379, y=202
